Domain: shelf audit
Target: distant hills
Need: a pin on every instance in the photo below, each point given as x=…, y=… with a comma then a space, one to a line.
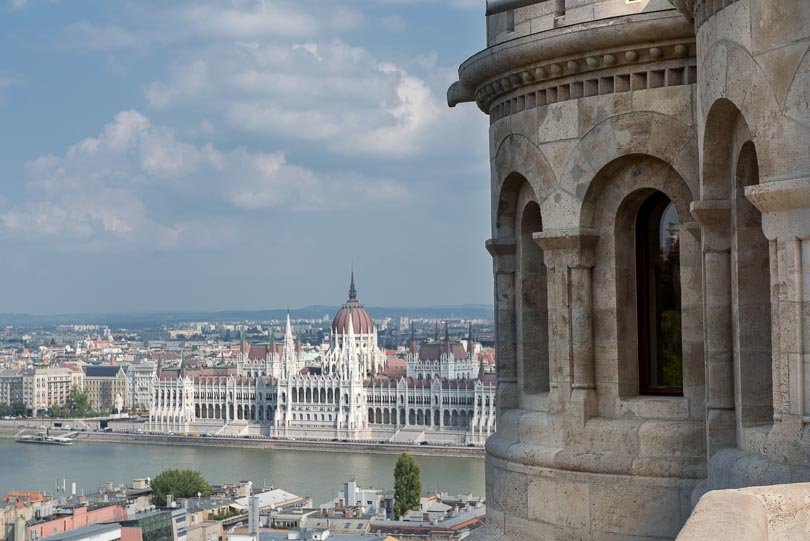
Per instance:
x=136, y=320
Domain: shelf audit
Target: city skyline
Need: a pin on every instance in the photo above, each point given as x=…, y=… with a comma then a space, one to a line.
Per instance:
x=225, y=156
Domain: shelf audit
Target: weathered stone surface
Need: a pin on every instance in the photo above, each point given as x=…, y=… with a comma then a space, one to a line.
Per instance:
x=622, y=102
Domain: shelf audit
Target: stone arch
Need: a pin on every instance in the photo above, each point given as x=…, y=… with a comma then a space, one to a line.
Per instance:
x=516, y=161
x=610, y=206
x=531, y=297
x=780, y=142
x=730, y=165
x=609, y=144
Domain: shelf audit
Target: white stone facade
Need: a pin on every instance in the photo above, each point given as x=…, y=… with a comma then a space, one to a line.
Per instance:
x=274, y=393
x=632, y=379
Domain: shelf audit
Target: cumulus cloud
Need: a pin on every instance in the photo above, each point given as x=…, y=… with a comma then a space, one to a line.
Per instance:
x=332, y=92
x=97, y=190
x=290, y=70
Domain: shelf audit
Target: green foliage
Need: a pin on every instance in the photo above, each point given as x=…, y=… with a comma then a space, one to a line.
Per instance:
x=180, y=484
x=227, y=514
x=79, y=403
x=407, y=485
x=12, y=410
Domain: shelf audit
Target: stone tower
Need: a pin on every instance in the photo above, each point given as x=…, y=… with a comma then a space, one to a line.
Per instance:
x=650, y=174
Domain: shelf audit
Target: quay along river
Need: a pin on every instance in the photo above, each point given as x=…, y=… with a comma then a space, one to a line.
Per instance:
x=319, y=473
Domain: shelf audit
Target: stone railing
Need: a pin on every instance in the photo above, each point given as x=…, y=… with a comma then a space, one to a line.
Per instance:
x=769, y=513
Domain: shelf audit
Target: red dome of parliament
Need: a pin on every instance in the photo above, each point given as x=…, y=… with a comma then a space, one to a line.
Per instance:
x=361, y=320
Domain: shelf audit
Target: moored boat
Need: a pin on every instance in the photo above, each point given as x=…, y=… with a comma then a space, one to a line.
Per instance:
x=45, y=439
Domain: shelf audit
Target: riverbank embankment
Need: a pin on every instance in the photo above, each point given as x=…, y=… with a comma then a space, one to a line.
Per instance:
x=259, y=443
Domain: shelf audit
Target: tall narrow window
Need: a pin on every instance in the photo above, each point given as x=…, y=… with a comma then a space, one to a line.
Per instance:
x=658, y=281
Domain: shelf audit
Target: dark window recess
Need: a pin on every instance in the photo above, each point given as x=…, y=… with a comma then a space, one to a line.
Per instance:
x=658, y=279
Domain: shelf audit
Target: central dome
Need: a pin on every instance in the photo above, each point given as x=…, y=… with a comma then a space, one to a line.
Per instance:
x=360, y=318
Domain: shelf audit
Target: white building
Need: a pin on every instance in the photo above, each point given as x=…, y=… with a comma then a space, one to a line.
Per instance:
x=344, y=395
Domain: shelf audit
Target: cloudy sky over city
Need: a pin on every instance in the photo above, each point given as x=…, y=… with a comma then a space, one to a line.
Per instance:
x=242, y=154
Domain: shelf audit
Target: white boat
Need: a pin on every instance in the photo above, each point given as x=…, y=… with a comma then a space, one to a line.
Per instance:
x=45, y=439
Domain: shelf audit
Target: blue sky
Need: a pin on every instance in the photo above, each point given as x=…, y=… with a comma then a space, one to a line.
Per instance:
x=241, y=154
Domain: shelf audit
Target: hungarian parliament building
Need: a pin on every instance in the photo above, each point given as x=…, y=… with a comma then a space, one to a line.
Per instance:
x=444, y=397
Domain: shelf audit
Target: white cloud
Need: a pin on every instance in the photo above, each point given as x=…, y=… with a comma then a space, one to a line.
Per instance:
x=97, y=192
x=312, y=91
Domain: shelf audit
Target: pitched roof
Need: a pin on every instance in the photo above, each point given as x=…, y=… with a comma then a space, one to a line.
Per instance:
x=104, y=371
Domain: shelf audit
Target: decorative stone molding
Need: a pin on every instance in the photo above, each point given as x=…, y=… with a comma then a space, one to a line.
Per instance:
x=703, y=10
x=574, y=246
x=502, y=251
x=560, y=64
x=589, y=75
x=785, y=207
x=714, y=217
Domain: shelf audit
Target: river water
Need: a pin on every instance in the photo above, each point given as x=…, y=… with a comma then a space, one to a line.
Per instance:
x=316, y=473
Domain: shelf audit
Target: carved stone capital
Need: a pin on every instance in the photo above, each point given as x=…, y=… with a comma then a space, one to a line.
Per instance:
x=502, y=251
x=785, y=207
x=714, y=217
x=568, y=247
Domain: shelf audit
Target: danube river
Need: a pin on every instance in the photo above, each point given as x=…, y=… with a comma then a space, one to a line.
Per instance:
x=316, y=473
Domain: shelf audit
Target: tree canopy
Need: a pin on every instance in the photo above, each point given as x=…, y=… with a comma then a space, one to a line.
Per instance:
x=407, y=485
x=180, y=484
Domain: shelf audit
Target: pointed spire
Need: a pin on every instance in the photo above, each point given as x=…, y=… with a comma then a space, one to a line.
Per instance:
x=446, y=333
x=413, y=340
x=288, y=334
x=352, y=289
x=470, y=340
x=436, y=333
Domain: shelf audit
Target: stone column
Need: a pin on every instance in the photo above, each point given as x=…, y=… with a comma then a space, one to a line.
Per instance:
x=569, y=258
x=714, y=217
x=785, y=208
x=503, y=268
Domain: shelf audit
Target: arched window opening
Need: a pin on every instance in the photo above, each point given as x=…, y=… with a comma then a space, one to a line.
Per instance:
x=658, y=283
x=751, y=300
x=532, y=294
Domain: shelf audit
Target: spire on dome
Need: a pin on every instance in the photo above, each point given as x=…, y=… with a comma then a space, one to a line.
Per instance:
x=470, y=340
x=446, y=333
x=352, y=289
